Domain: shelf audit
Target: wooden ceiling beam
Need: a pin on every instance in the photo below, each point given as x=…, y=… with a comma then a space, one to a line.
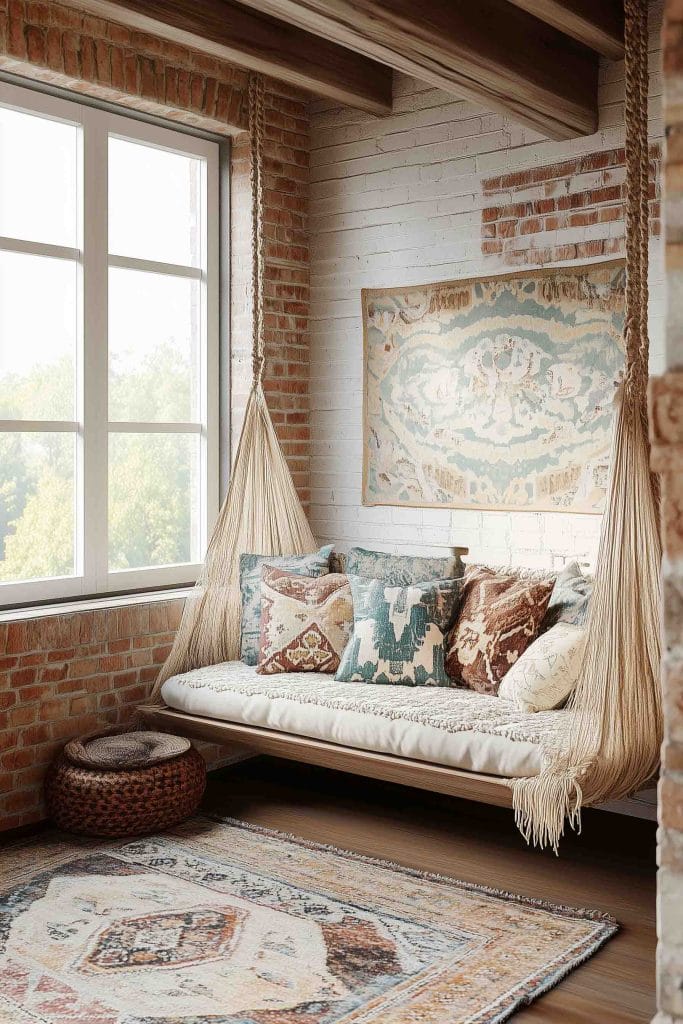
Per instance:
x=598, y=24
x=488, y=50
x=258, y=42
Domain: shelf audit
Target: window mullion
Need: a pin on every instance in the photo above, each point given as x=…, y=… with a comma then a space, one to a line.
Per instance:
x=156, y=267
x=39, y=426
x=95, y=391
x=29, y=248
x=155, y=427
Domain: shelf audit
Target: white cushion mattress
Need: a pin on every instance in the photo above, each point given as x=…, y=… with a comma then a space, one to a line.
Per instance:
x=449, y=726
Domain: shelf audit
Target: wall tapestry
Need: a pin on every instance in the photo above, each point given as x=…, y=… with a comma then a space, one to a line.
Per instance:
x=493, y=393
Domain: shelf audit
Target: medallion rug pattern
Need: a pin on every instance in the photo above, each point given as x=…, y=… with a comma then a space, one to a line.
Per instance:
x=217, y=922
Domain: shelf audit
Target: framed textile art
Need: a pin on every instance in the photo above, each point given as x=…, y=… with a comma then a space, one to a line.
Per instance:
x=493, y=393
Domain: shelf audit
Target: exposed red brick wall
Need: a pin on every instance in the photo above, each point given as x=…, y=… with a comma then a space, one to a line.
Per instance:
x=64, y=46
x=62, y=675
x=526, y=209
x=66, y=675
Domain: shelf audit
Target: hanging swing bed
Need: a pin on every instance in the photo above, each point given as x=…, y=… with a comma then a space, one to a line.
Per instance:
x=603, y=745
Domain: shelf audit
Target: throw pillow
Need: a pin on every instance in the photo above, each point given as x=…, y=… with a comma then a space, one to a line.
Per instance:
x=401, y=570
x=544, y=676
x=499, y=617
x=398, y=632
x=570, y=599
x=305, y=621
x=315, y=564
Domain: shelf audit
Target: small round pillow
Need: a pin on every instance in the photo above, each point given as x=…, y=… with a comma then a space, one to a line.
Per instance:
x=125, y=750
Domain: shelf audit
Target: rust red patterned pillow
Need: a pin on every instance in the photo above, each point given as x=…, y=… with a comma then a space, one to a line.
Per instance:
x=499, y=617
x=305, y=621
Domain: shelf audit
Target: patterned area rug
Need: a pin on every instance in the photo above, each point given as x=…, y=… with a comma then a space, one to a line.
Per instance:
x=217, y=922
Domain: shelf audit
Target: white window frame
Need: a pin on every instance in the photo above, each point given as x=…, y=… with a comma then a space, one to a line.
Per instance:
x=91, y=426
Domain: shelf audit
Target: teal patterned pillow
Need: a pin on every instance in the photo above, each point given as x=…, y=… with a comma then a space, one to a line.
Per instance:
x=316, y=564
x=398, y=632
x=402, y=570
x=570, y=599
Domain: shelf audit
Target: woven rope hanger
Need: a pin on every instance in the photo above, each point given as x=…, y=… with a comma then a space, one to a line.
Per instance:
x=261, y=512
x=614, y=734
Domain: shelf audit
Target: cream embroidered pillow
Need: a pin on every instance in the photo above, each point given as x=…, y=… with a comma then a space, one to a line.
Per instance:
x=306, y=621
x=546, y=673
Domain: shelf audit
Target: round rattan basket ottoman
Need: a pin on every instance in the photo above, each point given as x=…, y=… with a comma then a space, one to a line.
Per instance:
x=124, y=784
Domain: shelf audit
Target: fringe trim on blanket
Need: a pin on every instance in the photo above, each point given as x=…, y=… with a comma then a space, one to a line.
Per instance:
x=545, y=803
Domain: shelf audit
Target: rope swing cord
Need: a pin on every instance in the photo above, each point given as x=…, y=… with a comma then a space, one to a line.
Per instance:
x=637, y=220
x=256, y=136
x=614, y=732
x=261, y=512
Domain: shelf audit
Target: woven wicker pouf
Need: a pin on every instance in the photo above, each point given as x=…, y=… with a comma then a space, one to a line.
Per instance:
x=124, y=784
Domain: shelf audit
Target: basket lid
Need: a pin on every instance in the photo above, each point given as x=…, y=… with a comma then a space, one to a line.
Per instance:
x=126, y=750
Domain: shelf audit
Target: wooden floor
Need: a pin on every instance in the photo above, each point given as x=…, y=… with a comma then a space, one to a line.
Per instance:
x=610, y=867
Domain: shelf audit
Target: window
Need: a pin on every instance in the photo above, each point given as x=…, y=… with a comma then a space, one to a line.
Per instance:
x=108, y=350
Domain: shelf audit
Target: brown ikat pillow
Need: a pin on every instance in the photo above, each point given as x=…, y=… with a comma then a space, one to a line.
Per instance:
x=499, y=617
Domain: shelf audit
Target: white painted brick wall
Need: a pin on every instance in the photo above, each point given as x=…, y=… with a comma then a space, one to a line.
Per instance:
x=397, y=200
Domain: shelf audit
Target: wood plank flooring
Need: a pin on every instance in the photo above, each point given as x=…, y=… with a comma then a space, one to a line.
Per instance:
x=610, y=867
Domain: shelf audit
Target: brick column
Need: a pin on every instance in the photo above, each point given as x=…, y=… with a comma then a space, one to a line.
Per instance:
x=666, y=427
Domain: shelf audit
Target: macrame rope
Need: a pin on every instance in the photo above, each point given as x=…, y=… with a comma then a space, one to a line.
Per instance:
x=614, y=735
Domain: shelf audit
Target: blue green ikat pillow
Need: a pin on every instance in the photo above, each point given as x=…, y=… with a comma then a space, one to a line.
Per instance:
x=398, y=632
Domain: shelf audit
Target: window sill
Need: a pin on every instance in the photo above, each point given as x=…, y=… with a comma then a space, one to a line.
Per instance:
x=91, y=604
